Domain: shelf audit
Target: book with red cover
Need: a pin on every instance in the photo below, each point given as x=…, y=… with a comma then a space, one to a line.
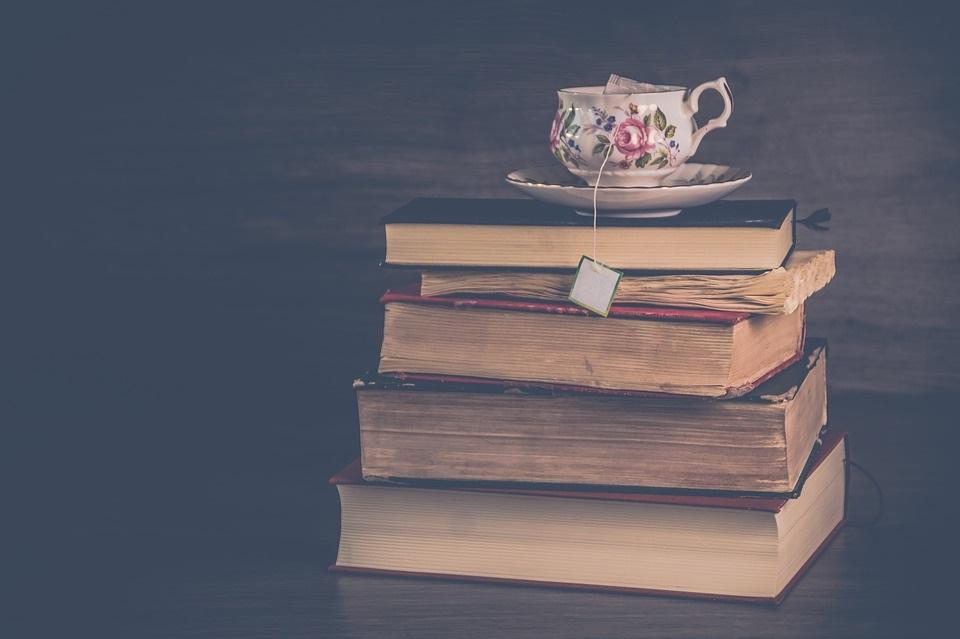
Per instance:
x=816, y=484
x=411, y=295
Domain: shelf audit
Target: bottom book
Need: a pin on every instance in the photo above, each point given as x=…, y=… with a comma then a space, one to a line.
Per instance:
x=722, y=546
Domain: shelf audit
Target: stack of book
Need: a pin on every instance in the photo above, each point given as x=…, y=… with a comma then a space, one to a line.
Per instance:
x=678, y=445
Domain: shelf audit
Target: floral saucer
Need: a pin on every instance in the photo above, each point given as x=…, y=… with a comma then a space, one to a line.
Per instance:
x=690, y=185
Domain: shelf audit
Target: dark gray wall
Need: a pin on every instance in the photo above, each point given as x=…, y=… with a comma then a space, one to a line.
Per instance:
x=291, y=128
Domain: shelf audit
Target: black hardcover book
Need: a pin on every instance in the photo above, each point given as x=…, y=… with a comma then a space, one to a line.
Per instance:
x=727, y=235
x=526, y=212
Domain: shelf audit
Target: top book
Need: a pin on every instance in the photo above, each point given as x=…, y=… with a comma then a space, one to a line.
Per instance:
x=727, y=235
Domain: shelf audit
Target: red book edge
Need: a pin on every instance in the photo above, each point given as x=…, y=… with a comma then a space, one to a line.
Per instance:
x=352, y=475
x=411, y=294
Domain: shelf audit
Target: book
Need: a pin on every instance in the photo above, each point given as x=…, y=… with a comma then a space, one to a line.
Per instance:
x=777, y=291
x=727, y=235
x=635, y=348
x=497, y=432
x=718, y=546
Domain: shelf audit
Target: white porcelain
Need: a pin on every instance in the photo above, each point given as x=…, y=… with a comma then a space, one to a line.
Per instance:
x=648, y=135
x=691, y=184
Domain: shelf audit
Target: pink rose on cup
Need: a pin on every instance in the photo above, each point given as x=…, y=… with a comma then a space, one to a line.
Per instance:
x=633, y=138
x=555, y=130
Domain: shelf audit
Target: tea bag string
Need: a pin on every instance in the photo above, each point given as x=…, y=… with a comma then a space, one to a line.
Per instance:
x=596, y=186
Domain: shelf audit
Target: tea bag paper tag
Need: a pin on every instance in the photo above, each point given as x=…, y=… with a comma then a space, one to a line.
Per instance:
x=594, y=286
x=619, y=84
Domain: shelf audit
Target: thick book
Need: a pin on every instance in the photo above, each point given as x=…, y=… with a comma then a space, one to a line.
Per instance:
x=716, y=546
x=777, y=291
x=497, y=432
x=635, y=348
x=727, y=235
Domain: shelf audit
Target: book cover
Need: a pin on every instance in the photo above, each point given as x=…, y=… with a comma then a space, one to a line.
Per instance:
x=528, y=212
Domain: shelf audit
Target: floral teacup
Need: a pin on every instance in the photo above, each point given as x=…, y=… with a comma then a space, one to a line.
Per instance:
x=647, y=136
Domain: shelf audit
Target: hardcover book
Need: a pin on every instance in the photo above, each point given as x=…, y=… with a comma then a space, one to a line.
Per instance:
x=777, y=291
x=499, y=432
x=636, y=348
x=742, y=547
x=727, y=235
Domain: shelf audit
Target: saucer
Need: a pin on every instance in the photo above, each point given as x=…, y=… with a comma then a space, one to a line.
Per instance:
x=690, y=185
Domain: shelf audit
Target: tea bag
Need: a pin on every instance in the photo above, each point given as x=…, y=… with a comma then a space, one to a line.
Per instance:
x=594, y=286
x=620, y=84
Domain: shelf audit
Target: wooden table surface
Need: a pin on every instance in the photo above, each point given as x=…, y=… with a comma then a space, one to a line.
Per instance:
x=202, y=400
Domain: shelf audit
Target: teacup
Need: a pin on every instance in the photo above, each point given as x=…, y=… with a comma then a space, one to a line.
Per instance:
x=647, y=135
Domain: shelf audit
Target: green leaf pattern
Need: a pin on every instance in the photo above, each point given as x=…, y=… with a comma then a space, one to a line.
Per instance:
x=660, y=119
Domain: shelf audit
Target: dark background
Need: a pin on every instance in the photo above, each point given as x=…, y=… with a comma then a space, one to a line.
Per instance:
x=192, y=254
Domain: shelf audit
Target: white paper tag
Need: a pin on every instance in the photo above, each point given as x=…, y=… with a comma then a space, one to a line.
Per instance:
x=594, y=286
x=619, y=84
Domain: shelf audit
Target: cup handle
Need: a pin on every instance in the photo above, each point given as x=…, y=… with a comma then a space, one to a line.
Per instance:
x=692, y=105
